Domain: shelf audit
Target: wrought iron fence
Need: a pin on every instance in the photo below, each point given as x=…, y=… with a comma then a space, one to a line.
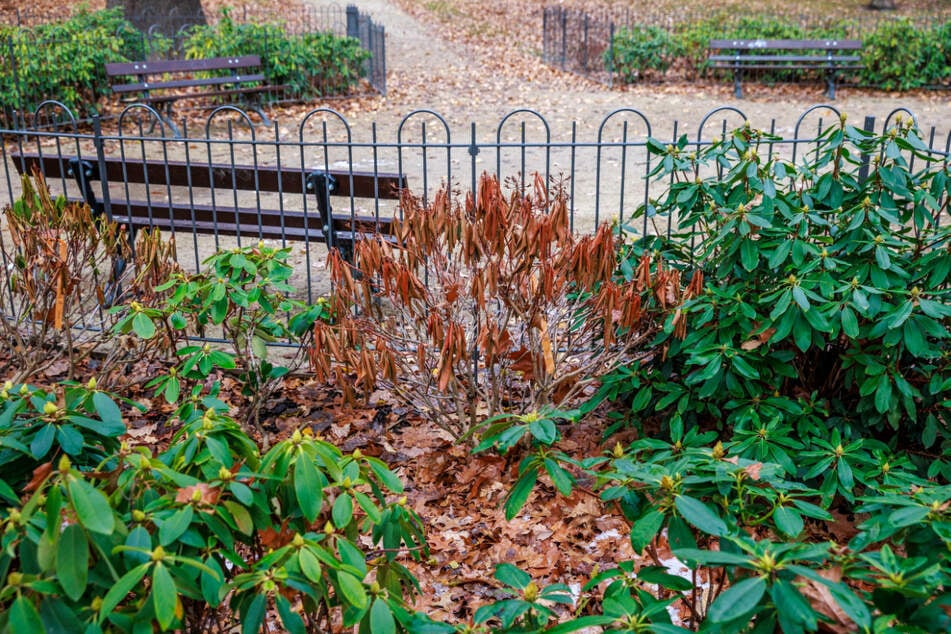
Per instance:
x=603, y=166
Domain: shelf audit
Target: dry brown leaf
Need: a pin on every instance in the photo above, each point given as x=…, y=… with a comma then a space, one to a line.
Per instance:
x=823, y=602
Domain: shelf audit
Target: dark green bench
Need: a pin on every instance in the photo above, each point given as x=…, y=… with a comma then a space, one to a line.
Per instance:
x=827, y=57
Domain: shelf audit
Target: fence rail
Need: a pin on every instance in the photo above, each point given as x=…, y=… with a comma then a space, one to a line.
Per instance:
x=603, y=167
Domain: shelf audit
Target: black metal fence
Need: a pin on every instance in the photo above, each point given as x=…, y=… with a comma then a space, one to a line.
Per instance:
x=604, y=165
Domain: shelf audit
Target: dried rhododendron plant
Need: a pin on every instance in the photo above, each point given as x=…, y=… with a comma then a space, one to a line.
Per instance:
x=487, y=306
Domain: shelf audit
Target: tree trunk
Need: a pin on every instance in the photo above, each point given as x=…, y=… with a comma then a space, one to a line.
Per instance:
x=165, y=16
x=882, y=5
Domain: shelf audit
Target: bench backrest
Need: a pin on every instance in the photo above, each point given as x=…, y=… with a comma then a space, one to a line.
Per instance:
x=791, y=45
x=279, y=220
x=144, y=70
x=216, y=175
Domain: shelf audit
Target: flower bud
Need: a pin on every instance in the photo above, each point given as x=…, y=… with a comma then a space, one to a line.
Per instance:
x=531, y=592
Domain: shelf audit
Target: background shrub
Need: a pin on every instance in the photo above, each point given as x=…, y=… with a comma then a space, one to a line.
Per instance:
x=897, y=54
x=641, y=48
x=65, y=60
x=310, y=64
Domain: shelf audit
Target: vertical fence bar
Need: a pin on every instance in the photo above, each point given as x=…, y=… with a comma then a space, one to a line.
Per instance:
x=564, y=37
x=101, y=160
x=868, y=126
x=546, y=53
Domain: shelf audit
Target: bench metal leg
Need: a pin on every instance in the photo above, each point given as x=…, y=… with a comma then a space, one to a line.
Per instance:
x=264, y=118
x=830, y=90
x=737, y=89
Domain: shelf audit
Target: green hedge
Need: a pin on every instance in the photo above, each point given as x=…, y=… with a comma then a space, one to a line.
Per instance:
x=897, y=54
x=310, y=64
x=66, y=60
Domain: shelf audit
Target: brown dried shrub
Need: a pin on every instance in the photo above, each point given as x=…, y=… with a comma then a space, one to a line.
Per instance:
x=488, y=306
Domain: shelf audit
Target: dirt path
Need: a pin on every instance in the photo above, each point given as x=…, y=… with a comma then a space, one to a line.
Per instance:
x=466, y=81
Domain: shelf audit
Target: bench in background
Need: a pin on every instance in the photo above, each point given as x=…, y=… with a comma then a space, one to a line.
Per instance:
x=828, y=57
x=161, y=83
x=226, y=182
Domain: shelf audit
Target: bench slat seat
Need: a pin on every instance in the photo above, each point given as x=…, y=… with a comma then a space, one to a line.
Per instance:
x=188, y=83
x=819, y=59
x=830, y=56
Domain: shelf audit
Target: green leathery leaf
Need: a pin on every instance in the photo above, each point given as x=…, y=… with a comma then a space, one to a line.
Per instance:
x=700, y=515
x=381, y=618
x=164, y=595
x=352, y=590
x=91, y=506
x=645, y=530
x=520, y=492
x=738, y=600
x=307, y=487
x=72, y=561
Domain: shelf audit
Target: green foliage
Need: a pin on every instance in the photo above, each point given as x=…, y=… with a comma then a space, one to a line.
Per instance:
x=504, y=431
x=824, y=305
x=244, y=292
x=899, y=55
x=639, y=48
x=38, y=427
x=699, y=493
x=896, y=54
x=66, y=60
x=158, y=542
x=310, y=64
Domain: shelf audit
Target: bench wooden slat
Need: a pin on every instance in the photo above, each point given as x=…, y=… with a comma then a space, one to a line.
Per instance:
x=263, y=178
x=118, y=69
x=819, y=59
x=142, y=213
x=188, y=83
x=832, y=44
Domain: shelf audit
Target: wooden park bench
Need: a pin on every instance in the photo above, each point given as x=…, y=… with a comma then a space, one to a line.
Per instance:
x=227, y=182
x=828, y=57
x=161, y=83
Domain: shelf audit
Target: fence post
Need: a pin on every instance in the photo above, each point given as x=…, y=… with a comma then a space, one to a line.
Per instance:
x=868, y=126
x=16, y=84
x=546, y=55
x=584, y=55
x=382, y=62
x=564, y=37
x=353, y=21
x=611, y=68
x=101, y=162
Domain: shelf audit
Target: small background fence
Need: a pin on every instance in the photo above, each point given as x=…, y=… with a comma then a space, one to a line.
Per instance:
x=604, y=167
x=581, y=41
x=164, y=39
